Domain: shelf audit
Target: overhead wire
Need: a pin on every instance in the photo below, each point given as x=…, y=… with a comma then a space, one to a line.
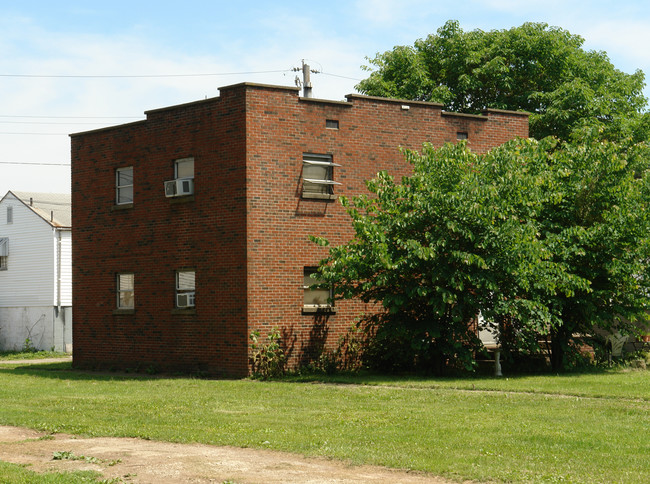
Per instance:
x=126, y=76
x=136, y=76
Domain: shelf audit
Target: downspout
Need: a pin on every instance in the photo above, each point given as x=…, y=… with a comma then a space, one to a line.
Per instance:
x=58, y=289
x=58, y=270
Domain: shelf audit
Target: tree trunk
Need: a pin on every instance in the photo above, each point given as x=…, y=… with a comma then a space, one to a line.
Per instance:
x=559, y=344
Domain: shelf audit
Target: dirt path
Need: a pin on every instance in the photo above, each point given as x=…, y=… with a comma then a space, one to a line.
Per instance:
x=143, y=461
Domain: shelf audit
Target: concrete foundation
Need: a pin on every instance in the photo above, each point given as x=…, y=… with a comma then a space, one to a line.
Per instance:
x=42, y=328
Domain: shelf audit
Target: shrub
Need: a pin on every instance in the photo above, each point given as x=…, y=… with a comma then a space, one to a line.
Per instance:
x=267, y=358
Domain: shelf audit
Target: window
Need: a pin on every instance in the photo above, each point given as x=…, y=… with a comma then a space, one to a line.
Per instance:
x=4, y=253
x=125, y=291
x=124, y=185
x=183, y=182
x=10, y=215
x=315, y=297
x=461, y=135
x=185, y=289
x=331, y=124
x=184, y=168
x=318, y=176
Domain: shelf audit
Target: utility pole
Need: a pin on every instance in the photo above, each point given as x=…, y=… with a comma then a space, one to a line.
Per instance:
x=306, y=78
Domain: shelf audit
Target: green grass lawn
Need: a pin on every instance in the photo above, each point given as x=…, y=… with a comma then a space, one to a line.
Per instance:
x=577, y=428
x=29, y=355
x=15, y=474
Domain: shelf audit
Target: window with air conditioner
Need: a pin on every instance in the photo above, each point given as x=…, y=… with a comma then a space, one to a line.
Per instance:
x=183, y=182
x=124, y=186
x=185, y=289
x=317, y=294
x=4, y=253
x=125, y=291
x=318, y=176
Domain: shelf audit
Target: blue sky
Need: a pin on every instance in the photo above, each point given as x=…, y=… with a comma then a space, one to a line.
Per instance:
x=48, y=50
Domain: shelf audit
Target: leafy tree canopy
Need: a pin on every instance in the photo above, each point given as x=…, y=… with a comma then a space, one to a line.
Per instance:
x=551, y=236
x=540, y=69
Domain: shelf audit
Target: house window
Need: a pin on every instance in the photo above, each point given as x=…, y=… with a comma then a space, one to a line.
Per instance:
x=10, y=215
x=185, y=289
x=124, y=185
x=4, y=253
x=184, y=168
x=317, y=295
x=125, y=291
x=183, y=182
x=318, y=176
x=461, y=135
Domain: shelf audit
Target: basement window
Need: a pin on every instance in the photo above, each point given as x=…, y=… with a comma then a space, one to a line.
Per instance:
x=461, y=135
x=318, y=296
x=318, y=176
x=332, y=124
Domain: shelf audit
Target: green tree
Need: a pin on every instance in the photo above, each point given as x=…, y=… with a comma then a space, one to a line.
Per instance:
x=550, y=237
x=540, y=69
x=599, y=228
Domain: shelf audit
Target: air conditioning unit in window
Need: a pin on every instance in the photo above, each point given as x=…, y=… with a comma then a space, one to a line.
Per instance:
x=185, y=300
x=179, y=187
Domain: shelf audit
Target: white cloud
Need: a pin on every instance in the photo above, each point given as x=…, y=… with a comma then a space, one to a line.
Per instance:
x=48, y=53
x=334, y=37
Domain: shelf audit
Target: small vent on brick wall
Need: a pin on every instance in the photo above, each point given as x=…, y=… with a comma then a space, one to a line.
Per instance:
x=332, y=123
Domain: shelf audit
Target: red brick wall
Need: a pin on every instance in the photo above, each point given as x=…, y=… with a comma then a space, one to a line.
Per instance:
x=159, y=235
x=245, y=231
x=281, y=127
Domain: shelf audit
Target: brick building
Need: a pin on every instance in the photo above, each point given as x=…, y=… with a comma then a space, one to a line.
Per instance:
x=191, y=227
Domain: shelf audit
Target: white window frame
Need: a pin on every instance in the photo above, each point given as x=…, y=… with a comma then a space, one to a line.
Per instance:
x=10, y=214
x=123, y=296
x=4, y=253
x=190, y=291
x=308, y=289
x=121, y=188
x=323, y=187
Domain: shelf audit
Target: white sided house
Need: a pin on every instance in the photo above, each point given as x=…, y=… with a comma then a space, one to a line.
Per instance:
x=35, y=271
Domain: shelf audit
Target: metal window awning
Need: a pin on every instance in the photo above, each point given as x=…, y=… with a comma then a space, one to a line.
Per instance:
x=317, y=181
x=4, y=247
x=320, y=163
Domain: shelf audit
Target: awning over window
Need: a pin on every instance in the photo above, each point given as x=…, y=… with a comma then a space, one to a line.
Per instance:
x=322, y=163
x=321, y=181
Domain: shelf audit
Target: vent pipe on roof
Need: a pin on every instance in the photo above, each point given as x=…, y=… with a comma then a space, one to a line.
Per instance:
x=31, y=202
x=52, y=216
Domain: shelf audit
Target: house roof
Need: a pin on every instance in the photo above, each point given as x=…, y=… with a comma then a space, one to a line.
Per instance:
x=54, y=208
